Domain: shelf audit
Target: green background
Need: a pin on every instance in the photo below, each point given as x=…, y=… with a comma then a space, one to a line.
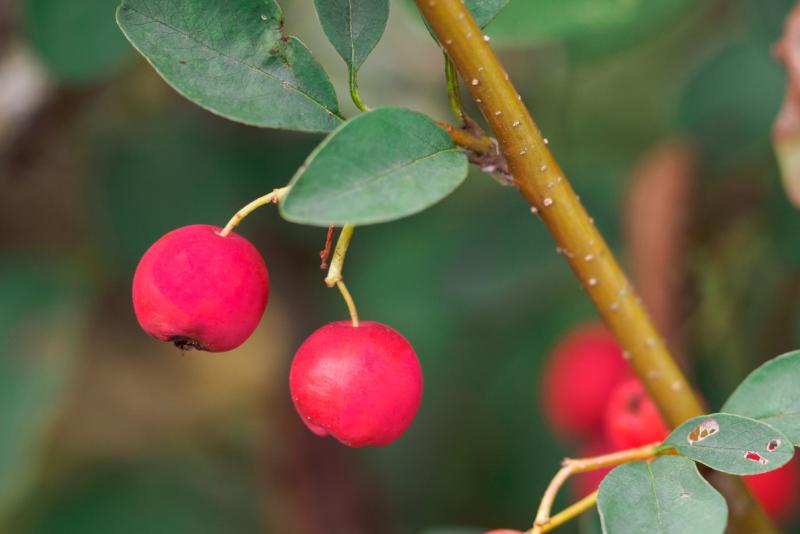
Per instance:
x=103, y=430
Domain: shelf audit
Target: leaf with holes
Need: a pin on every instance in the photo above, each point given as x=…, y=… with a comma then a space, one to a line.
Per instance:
x=353, y=27
x=771, y=394
x=732, y=444
x=666, y=495
x=380, y=166
x=233, y=59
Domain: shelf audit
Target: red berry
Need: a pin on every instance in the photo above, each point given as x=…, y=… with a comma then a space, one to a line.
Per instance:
x=200, y=290
x=778, y=491
x=362, y=385
x=632, y=418
x=578, y=379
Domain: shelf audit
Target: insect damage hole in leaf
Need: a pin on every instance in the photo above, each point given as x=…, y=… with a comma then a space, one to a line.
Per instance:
x=731, y=443
x=755, y=457
x=707, y=428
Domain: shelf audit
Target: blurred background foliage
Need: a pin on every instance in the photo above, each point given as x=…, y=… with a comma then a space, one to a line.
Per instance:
x=103, y=430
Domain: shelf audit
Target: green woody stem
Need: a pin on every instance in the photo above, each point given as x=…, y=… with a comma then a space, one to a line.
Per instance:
x=543, y=184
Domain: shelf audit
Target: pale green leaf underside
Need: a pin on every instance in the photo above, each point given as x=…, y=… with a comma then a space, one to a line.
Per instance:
x=380, y=166
x=665, y=496
x=732, y=443
x=771, y=394
x=353, y=27
x=230, y=57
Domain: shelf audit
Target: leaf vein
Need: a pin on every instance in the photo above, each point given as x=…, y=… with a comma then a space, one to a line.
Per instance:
x=205, y=45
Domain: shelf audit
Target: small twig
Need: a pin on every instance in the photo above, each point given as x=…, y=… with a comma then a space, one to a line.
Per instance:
x=355, y=95
x=326, y=252
x=348, y=299
x=334, y=277
x=482, y=150
x=270, y=198
x=582, y=465
x=337, y=263
x=453, y=91
x=570, y=512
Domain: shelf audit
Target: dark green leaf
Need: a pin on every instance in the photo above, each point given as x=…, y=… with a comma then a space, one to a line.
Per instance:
x=732, y=444
x=233, y=59
x=485, y=11
x=354, y=27
x=77, y=40
x=771, y=394
x=380, y=166
x=664, y=496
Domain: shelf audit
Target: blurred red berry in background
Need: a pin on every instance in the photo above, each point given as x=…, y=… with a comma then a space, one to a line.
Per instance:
x=632, y=418
x=578, y=380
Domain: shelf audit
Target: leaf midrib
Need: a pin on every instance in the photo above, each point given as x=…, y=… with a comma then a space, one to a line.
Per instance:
x=652, y=477
x=355, y=186
x=350, y=31
x=237, y=61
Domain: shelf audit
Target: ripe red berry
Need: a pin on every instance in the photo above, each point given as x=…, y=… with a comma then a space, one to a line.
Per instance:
x=632, y=418
x=200, y=290
x=578, y=379
x=362, y=385
x=778, y=491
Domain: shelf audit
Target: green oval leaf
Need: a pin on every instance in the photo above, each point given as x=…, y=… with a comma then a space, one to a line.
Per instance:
x=233, y=59
x=664, y=496
x=380, y=166
x=771, y=394
x=732, y=444
x=76, y=40
x=353, y=27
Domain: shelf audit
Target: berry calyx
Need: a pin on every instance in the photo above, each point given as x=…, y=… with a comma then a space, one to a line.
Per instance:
x=200, y=290
x=578, y=379
x=360, y=384
x=632, y=418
